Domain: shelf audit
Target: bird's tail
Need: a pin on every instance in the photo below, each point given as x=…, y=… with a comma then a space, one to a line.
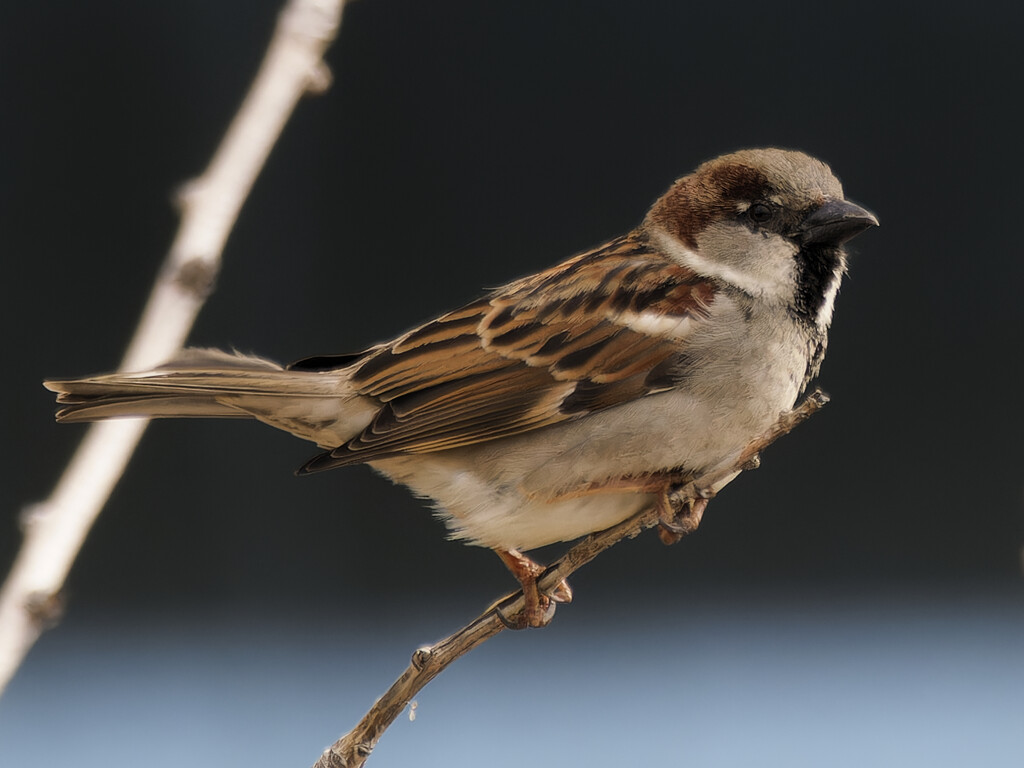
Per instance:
x=213, y=384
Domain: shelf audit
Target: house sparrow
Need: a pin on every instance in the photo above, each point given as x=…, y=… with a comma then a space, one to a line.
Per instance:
x=567, y=401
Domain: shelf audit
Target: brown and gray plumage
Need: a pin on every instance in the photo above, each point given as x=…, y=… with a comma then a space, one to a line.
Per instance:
x=564, y=402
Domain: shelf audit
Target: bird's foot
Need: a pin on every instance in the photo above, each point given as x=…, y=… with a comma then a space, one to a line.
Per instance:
x=679, y=516
x=538, y=607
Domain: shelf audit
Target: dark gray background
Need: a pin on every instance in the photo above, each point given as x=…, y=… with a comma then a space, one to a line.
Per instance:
x=467, y=143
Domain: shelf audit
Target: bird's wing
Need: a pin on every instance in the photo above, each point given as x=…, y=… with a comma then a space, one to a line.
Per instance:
x=598, y=330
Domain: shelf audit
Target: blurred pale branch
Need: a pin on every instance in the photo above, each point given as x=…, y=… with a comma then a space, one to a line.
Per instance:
x=678, y=515
x=55, y=529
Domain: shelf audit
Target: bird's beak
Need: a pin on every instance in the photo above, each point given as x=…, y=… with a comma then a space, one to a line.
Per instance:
x=835, y=222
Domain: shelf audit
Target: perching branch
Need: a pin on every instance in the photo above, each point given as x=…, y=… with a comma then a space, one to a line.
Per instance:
x=56, y=528
x=687, y=503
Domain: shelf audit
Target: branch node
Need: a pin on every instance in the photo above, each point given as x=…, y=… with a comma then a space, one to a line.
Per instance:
x=422, y=656
x=45, y=609
x=186, y=195
x=818, y=398
x=332, y=757
x=197, y=277
x=319, y=79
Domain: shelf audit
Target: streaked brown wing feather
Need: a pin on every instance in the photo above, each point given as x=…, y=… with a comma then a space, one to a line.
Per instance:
x=593, y=332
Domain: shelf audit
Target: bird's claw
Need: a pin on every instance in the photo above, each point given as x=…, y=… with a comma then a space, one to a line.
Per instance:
x=678, y=514
x=538, y=608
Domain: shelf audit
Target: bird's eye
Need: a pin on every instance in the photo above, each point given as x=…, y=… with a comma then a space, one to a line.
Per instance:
x=759, y=213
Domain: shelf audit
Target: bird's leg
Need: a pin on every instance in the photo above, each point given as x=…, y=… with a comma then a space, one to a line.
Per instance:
x=536, y=609
x=680, y=516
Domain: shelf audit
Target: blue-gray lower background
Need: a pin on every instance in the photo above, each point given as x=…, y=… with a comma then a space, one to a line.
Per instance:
x=880, y=679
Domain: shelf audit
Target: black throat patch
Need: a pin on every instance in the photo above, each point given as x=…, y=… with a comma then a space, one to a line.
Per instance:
x=818, y=267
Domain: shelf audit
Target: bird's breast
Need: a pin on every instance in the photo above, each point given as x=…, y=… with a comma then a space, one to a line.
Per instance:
x=732, y=383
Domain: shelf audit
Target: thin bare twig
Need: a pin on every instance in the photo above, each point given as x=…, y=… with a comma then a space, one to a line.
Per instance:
x=56, y=528
x=352, y=749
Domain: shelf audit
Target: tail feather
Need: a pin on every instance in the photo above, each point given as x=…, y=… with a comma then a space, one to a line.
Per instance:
x=204, y=383
x=147, y=406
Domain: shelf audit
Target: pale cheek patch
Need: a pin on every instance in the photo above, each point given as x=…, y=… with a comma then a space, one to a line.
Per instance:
x=758, y=266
